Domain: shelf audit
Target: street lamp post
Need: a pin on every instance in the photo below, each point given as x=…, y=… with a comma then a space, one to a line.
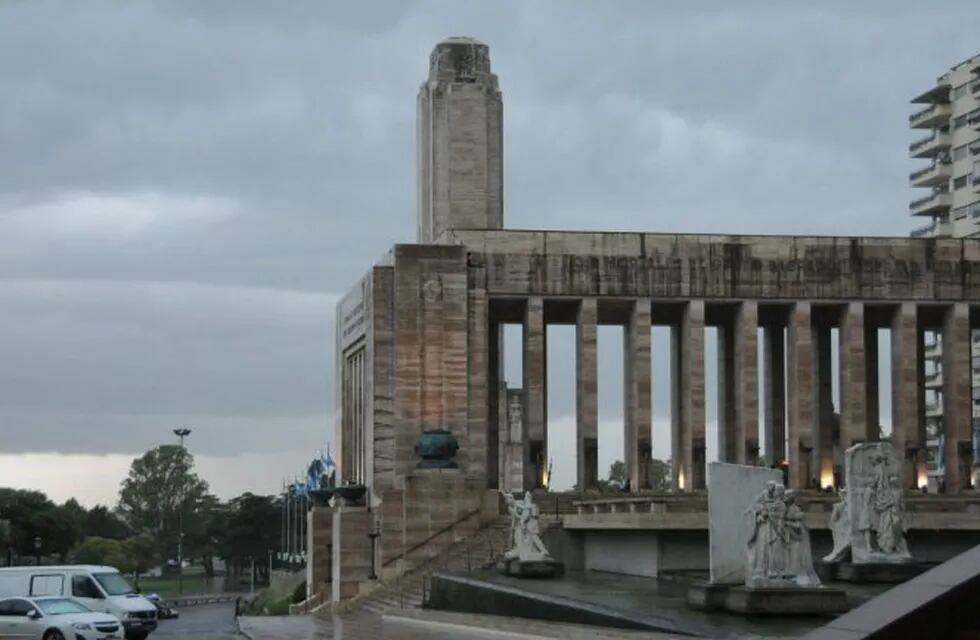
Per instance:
x=37, y=550
x=180, y=433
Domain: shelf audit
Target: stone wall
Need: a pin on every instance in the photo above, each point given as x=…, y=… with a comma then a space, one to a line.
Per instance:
x=732, y=267
x=319, y=566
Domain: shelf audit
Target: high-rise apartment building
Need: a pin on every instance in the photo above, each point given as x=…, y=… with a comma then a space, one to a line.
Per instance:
x=952, y=204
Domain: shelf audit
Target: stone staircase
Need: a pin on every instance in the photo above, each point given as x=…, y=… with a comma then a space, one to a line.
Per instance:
x=478, y=551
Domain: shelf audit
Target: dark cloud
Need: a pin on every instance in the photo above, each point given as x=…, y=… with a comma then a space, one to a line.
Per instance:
x=187, y=186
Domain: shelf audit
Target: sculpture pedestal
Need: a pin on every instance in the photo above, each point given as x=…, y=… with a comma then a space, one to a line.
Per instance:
x=792, y=601
x=532, y=568
x=871, y=572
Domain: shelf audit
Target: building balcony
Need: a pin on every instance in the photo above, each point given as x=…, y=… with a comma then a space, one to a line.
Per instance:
x=934, y=410
x=931, y=117
x=932, y=348
x=936, y=95
x=933, y=204
x=935, y=381
x=975, y=87
x=935, y=174
x=931, y=146
x=974, y=121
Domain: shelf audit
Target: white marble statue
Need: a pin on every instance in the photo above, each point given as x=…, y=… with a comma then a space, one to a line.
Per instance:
x=840, y=528
x=875, y=504
x=526, y=544
x=778, y=550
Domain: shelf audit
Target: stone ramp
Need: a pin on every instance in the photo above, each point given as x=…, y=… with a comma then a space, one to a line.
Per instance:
x=940, y=603
x=521, y=627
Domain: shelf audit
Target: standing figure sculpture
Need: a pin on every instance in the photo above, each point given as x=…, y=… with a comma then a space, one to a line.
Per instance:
x=526, y=544
x=778, y=550
x=890, y=510
x=840, y=528
x=799, y=559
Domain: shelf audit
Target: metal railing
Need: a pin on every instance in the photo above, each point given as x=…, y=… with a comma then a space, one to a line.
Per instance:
x=927, y=230
x=921, y=172
x=923, y=113
x=919, y=144
x=915, y=204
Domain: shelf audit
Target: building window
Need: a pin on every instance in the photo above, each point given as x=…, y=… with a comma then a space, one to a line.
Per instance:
x=960, y=152
x=959, y=183
x=960, y=91
x=975, y=210
x=959, y=213
x=959, y=122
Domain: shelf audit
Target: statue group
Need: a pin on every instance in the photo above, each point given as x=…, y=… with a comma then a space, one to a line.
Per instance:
x=778, y=551
x=869, y=521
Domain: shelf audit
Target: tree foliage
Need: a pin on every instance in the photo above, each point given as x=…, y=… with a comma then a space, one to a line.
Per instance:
x=100, y=522
x=161, y=493
x=253, y=528
x=32, y=515
x=134, y=555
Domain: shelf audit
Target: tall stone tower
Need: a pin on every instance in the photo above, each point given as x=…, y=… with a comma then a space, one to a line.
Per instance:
x=460, y=142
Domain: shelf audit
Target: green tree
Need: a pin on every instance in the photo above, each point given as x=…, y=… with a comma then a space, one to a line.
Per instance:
x=253, y=529
x=659, y=475
x=95, y=550
x=160, y=493
x=32, y=515
x=103, y=523
x=617, y=472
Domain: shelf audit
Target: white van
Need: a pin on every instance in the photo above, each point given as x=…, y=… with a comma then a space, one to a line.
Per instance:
x=99, y=588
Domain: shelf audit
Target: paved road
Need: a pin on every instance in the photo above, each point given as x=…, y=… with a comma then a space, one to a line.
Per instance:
x=206, y=622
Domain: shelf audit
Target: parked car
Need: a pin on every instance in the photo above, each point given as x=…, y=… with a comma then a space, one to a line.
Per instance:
x=55, y=618
x=99, y=588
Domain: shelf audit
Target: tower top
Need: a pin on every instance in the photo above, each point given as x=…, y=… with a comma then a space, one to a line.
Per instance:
x=460, y=142
x=461, y=59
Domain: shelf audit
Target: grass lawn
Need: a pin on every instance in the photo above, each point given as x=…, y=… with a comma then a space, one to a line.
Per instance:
x=166, y=586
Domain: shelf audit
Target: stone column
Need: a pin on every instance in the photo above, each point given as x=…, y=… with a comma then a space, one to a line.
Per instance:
x=535, y=431
x=727, y=401
x=800, y=394
x=496, y=432
x=957, y=403
x=636, y=388
x=687, y=399
x=774, y=372
x=871, y=391
x=853, y=376
x=586, y=396
x=746, y=375
x=738, y=393
x=906, y=381
x=822, y=461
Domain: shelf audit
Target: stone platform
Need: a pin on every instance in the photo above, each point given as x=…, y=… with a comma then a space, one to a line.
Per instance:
x=813, y=601
x=871, y=572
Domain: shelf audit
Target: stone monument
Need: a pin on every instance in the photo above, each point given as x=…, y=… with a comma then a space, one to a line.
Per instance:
x=760, y=558
x=731, y=488
x=527, y=557
x=875, y=503
x=869, y=522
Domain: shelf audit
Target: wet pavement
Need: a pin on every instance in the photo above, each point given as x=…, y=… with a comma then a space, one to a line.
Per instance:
x=203, y=622
x=360, y=626
x=666, y=602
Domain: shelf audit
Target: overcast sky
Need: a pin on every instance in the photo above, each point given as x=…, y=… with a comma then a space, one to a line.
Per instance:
x=187, y=187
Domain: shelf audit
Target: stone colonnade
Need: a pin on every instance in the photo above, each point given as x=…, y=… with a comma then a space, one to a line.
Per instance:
x=799, y=427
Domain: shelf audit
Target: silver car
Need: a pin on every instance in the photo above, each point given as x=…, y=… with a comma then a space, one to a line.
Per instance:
x=55, y=618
